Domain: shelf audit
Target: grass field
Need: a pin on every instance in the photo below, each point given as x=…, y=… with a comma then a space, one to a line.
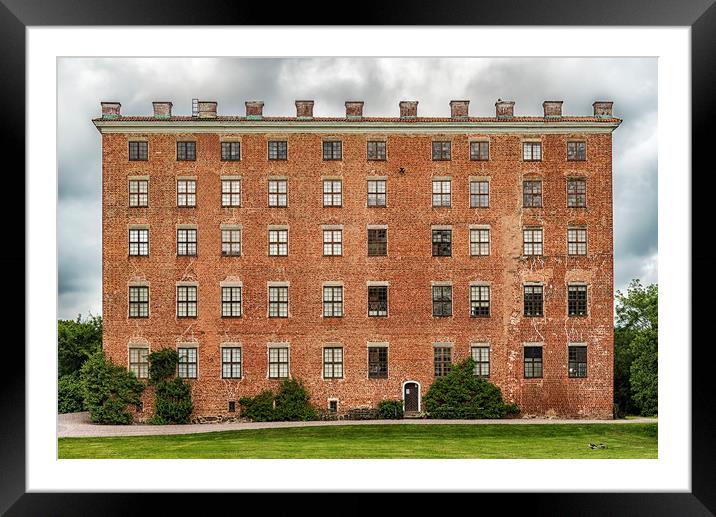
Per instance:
x=383, y=441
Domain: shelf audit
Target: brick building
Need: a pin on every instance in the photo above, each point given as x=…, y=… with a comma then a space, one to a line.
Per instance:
x=362, y=255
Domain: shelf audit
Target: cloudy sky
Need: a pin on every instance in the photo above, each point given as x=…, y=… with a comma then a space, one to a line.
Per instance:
x=83, y=82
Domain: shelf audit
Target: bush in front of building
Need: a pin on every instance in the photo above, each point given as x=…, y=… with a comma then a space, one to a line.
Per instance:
x=291, y=403
x=108, y=389
x=70, y=398
x=390, y=409
x=172, y=400
x=462, y=394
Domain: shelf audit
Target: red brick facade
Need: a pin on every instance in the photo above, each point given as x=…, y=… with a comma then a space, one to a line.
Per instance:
x=410, y=330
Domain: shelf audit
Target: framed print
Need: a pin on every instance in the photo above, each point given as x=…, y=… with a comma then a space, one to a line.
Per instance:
x=127, y=110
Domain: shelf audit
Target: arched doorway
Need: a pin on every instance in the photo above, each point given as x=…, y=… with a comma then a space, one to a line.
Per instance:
x=411, y=396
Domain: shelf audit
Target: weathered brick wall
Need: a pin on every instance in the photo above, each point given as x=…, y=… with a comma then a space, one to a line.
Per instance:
x=410, y=328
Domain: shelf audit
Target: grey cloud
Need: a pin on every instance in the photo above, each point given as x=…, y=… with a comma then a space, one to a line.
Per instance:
x=381, y=83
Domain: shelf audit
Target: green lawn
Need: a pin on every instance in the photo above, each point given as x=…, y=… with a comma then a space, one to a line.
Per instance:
x=383, y=441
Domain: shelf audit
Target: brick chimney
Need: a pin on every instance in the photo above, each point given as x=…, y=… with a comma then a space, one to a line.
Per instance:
x=162, y=109
x=459, y=109
x=408, y=109
x=552, y=109
x=304, y=109
x=207, y=109
x=354, y=109
x=111, y=109
x=603, y=109
x=254, y=109
x=504, y=109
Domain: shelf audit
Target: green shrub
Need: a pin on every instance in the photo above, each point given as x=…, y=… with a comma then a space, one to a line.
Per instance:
x=461, y=394
x=172, y=396
x=293, y=402
x=258, y=408
x=390, y=409
x=108, y=389
x=173, y=404
x=76, y=341
x=69, y=394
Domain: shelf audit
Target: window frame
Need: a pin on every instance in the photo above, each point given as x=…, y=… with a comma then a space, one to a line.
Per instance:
x=329, y=360
x=279, y=361
x=186, y=151
x=232, y=363
x=379, y=301
x=231, y=193
x=479, y=243
x=536, y=363
x=332, y=146
x=231, y=301
x=532, y=198
x=441, y=193
x=477, y=197
x=436, y=244
x=141, y=153
x=480, y=156
x=442, y=150
x=378, y=366
x=334, y=304
x=278, y=304
x=231, y=243
x=137, y=196
x=480, y=361
x=532, y=231
x=187, y=303
x=578, y=155
x=330, y=193
x=138, y=242
x=278, y=182
x=574, y=246
x=138, y=303
x=374, y=244
x=575, y=301
x=479, y=303
x=186, y=242
x=575, y=198
x=442, y=301
x=189, y=194
x=331, y=244
x=377, y=193
x=532, y=147
x=442, y=360
x=278, y=243
x=532, y=303
x=377, y=155
x=230, y=151
x=140, y=366
x=185, y=355
x=579, y=373
x=279, y=155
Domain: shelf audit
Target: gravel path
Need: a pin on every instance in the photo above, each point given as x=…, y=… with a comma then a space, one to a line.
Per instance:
x=79, y=425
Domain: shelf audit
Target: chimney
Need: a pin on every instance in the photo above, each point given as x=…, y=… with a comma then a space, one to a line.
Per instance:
x=603, y=109
x=207, y=109
x=111, y=109
x=504, y=109
x=552, y=109
x=354, y=109
x=408, y=109
x=254, y=110
x=162, y=109
x=458, y=109
x=304, y=109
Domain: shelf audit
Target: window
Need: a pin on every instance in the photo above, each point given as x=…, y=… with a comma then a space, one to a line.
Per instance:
x=187, y=363
x=377, y=362
x=332, y=242
x=139, y=242
x=138, y=151
x=531, y=151
x=441, y=193
x=278, y=243
x=333, y=406
x=278, y=150
x=481, y=356
x=479, y=241
x=480, y=151
x=139, y=362
x=378, y=300
x=576, y=193
x=278, y=193
x=232, y=406
x=441, y=150
x=333, y=363
x=533, y=361
x=231, y=242
x=186, y=151
x=442, y=300
x=333, y=150
x=186, y=193
x=376, y=150
x=577, y=300
x=532, y=241
x=278, y=302
x=577, y=241
x=139, y=302
x=231, y=302
x=533, y=300
x=479, y=194
x=479, y=301
x=231, y=363
x=442, y=360
x=576, y=151
x=577, y=366
x=377, y=243
x=376, y=192
x=186, y=241
x=332, y=192
x=532, y=194
x=333, y=301
x=138, y=193
x=278, y=363
x=186, y=301
x=230, y=193
x=442, y=243
x=230, y=151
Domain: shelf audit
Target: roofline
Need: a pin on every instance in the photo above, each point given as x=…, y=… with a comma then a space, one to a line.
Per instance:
x=236, y=124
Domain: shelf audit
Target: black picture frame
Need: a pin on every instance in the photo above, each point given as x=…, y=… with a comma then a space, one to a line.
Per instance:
x=700, y=15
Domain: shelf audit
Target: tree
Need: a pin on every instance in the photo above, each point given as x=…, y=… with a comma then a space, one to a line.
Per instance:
x=172, y=401
x=76, y=341
x=636, y=346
